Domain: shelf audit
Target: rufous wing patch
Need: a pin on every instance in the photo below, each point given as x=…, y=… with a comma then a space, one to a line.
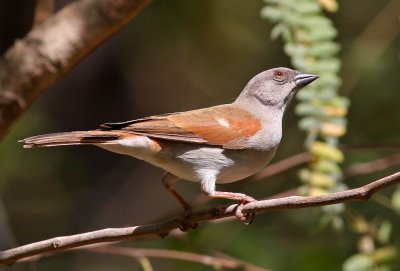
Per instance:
x=218, y=125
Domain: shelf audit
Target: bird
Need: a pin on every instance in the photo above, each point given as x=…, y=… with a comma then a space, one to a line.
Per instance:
x=215, y=145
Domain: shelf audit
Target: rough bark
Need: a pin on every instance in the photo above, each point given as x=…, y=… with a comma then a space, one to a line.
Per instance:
x=52, y=48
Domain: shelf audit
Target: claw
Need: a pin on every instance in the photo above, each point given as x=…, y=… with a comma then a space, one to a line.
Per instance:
x=187, y=226
x=248, y=218
x=238, y=212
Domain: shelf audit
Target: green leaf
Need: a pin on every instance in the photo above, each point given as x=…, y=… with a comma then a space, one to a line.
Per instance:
x=294, y=49
x=334, y=208
x=358, y=262
x=304, y=174
x=330, y=65
x=306, y=7
x=385, y=231
x=323, y=49
x=317, y=21
x=271, y=1
x=340, y=187
x=292, y=18
x=385, y=254
x=309, y=123
x=396, y=199
x=337, y=221
x=383, y=268
x=290, y=3
x=341, y=102
x=326, y=166
x=321, y=180
x=326, y=94
x=311, y=35
x=326, y=80
x=306, y=94
x=307, y=108
x=280, y=30
x=272, y=13
x=299, y=62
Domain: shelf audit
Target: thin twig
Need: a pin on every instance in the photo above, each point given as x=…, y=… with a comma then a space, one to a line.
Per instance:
x=162, y=229
x=283, y=165
x=372, y=166
x=303, y=157
x=217, y=262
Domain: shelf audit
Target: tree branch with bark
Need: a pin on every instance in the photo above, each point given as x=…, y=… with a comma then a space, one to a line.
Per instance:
x=162, y=229
x=53, y=47
x=140, y=253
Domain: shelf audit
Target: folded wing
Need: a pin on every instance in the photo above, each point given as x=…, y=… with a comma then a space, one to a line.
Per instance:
x=224, y=125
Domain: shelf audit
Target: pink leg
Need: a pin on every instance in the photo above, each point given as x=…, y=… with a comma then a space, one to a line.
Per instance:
x=169, y=181
x=234, y=196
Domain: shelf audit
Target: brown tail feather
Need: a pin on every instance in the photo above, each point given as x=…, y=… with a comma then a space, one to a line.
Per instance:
x=70, y=138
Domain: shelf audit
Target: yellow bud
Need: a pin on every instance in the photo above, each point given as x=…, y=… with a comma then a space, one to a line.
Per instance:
x=315, y=191
x=331, y=129
x=329, y=5
x=321, y=180
x=335, y=111
x=323, y=149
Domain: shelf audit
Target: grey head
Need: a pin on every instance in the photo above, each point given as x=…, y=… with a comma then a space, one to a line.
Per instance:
x=275, y=87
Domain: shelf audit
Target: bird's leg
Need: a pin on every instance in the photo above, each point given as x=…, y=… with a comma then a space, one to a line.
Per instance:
x=208, y=187
x=169, y=182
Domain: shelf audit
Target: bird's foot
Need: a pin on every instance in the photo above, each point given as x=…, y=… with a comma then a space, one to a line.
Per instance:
x=243, y=199
x=246, y=218
x=185, y=226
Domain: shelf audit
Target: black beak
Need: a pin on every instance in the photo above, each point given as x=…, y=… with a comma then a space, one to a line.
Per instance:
x=303, y=79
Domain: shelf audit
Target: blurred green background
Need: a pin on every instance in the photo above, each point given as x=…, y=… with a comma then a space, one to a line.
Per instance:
x=176, y=56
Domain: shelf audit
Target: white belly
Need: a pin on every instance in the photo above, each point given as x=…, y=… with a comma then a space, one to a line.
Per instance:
x=189, y=161
x=231, y=165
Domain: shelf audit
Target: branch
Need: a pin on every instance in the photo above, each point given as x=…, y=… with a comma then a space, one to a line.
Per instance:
x=303, y=157
x=52, y=48
x=217, y=262
x=283, y=165
x=372, y=166
x=162, y=229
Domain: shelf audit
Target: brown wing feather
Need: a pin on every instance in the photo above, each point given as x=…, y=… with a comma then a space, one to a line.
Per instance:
x=220, y=125
x=156, y=127
x=70, y=138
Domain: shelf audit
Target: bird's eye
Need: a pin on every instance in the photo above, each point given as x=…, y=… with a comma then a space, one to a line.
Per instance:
x=280, y=76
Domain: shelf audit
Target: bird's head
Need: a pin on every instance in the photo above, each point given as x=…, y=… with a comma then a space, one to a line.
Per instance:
x=275, y=87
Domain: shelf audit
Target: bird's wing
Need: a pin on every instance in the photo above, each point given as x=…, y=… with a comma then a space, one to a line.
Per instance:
x=223, y=125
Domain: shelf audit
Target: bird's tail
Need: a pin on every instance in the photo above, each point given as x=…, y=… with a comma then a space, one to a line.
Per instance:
x=70, y=138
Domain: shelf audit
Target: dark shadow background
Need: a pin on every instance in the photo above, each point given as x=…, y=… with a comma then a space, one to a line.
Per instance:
x=176, y=56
